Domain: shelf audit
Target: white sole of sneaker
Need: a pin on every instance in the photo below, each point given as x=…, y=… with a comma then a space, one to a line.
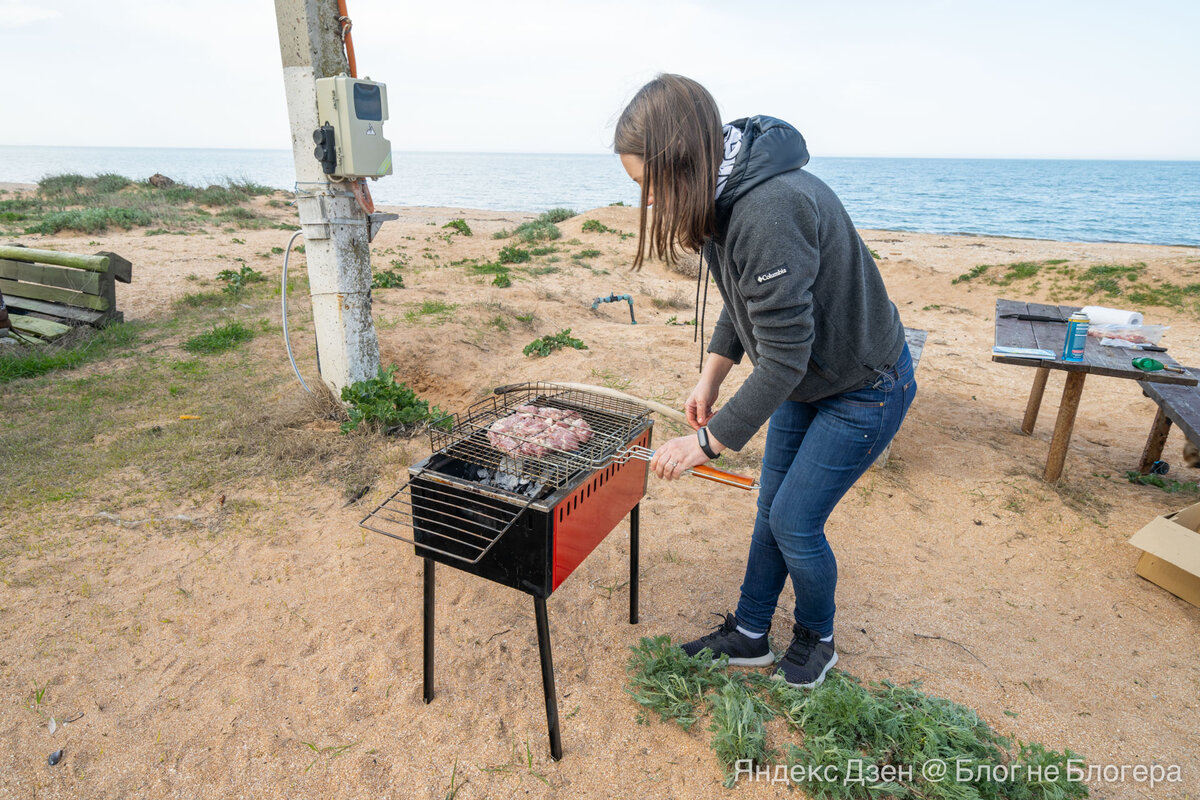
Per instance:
x=779, y=675
x=757, y=661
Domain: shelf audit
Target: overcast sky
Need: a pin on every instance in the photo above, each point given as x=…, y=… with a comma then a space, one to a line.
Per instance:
x=914, y=78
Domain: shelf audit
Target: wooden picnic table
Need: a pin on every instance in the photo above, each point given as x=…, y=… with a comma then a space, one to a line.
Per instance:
x=1113, y=362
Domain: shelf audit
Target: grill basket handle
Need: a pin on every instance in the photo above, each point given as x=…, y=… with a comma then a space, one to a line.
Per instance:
x=727, y=478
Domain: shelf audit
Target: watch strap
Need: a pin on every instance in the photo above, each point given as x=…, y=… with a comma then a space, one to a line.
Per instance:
x=702, y=437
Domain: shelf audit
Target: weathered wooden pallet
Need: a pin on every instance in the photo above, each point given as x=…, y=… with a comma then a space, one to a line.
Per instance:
x=36, y=326
x=68, y=288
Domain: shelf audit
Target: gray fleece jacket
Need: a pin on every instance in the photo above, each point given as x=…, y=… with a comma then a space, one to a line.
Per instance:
x=803, y=297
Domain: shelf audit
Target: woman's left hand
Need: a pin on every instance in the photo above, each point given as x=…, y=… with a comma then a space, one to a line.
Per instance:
x=673, y=457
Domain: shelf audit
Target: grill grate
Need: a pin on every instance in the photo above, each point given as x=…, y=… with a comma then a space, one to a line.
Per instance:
x=612, y=420
x=463, y=526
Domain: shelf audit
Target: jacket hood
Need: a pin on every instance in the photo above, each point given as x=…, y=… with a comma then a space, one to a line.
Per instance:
x=756, y=149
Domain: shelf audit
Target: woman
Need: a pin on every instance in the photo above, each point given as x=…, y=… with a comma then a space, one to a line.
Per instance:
x=804, y=300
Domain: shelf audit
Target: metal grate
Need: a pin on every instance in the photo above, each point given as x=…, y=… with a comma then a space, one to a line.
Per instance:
x=612, y=420
x=461, y=525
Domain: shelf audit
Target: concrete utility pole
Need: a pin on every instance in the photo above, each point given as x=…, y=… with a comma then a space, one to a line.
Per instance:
x=335, y=227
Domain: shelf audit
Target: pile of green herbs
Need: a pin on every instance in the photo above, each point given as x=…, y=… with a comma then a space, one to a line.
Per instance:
x=888, y=729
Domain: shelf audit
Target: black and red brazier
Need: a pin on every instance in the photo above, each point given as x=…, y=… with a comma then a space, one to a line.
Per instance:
x=526, y=522
x=522, y=522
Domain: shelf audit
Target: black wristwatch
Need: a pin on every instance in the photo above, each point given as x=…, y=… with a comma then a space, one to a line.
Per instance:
x=702, y=435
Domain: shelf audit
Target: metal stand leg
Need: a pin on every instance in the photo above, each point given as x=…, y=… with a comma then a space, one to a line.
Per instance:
x=429, y=565
x=543, y=632
x=633, y=564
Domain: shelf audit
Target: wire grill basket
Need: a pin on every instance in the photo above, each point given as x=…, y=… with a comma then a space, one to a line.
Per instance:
x=612, y=420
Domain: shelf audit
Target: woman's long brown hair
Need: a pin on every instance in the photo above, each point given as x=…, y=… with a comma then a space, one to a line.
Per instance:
x=673, y=125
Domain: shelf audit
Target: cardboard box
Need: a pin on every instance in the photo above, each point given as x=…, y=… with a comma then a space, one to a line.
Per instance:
x=1171, y=556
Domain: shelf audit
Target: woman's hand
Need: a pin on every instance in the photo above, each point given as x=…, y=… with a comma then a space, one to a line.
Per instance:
x=673, y=457
x=699, y=405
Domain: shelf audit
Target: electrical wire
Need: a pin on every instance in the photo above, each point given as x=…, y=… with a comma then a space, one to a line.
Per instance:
x=287, y=342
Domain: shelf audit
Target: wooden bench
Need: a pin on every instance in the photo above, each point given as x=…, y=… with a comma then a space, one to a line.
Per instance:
x=59, y=289
x=916, y=346
x=1176, y=404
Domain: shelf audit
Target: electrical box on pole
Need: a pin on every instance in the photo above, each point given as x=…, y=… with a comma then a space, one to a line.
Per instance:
x=352, y=112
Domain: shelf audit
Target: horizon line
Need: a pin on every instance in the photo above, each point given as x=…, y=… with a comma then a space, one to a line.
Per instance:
x=605, y=153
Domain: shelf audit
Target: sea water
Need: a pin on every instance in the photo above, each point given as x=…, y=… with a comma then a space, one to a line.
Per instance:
x=1155, y=202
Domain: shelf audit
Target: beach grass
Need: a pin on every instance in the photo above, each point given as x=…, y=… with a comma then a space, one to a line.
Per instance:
x=70, y=352
x=542, y=229
x=1096, y=283
x=98, y=203
x=129, y=397
x=219, y=339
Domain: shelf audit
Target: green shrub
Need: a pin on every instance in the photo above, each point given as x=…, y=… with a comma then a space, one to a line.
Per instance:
x=387, y=279
x=91, y=220
x=487, y=269
x=459, y=225
x=557, y=215
x=502, y=280
x=972, y=274
x=549, y=343
x=587, y=254
x=596, y=226
x=392, y=406
x=537, y=231
x=513, y=255
x=540, y=229
x=219, y=339
x=60, y=185
x=237, y=280
x=1168, y=485
x=250, y=188
x=109, y=182
x=218, y=196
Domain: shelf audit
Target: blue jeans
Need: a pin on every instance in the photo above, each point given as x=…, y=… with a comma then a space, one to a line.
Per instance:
x=815, y=452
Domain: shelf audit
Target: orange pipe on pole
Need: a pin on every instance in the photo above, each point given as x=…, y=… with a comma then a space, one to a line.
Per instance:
x=344, y=20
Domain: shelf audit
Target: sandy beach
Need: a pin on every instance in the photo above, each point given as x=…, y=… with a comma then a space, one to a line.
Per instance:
x=252, y=641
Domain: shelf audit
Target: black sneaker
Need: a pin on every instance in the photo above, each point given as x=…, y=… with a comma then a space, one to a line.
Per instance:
x=741, y=649
x=807, y=659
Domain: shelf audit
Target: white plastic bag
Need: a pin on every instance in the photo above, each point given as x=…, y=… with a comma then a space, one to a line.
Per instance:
x=1133, y=334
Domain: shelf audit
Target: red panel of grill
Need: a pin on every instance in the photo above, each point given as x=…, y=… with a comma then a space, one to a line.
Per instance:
x=584, y=518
